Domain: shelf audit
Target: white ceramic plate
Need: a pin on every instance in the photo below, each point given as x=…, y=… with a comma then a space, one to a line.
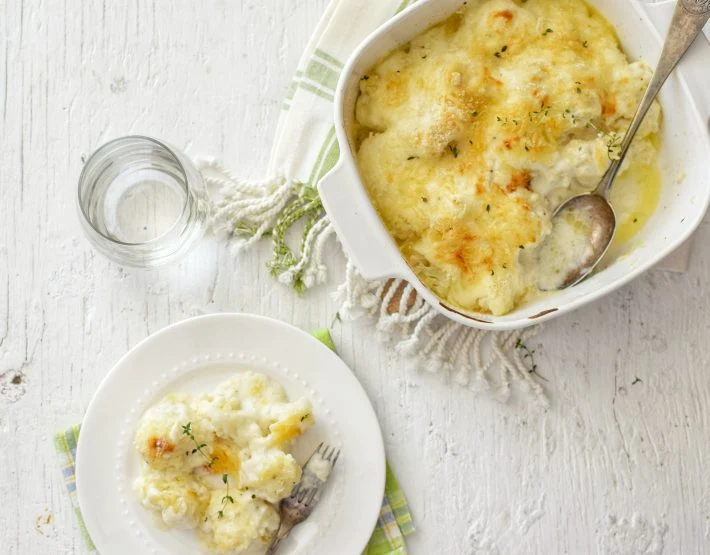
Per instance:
x=195, y=355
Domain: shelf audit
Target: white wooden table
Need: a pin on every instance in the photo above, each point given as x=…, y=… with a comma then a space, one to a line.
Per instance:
x=618, y=463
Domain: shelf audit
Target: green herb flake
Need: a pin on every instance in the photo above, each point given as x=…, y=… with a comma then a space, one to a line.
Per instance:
x=187, y=431
x=529, y=357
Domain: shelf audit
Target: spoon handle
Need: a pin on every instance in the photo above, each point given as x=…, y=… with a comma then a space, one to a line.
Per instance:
x=688, y=20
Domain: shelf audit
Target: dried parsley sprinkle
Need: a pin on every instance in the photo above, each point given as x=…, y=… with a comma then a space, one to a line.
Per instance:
x=547, y=31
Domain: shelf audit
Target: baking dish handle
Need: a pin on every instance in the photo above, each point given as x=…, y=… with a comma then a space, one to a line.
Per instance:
x=695, y=66
x=358, y=226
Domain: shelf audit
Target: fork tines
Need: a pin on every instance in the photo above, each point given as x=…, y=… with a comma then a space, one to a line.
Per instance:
x=328, y=453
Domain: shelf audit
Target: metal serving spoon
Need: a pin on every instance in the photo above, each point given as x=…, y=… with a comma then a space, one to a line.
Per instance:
x=593, y=208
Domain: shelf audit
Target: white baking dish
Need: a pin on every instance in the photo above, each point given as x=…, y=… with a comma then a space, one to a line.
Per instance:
x=684, y=162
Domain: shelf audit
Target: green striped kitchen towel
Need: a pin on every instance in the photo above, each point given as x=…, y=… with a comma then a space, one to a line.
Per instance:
x=393, y=524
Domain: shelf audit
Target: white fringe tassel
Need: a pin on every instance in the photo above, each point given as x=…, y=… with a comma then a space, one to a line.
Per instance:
x=255, y=205
x=310, y=265
x=480, y=360
x=245, y=211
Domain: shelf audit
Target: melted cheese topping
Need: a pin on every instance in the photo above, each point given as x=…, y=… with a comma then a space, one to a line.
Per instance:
x=470, y=136
x=223, y=474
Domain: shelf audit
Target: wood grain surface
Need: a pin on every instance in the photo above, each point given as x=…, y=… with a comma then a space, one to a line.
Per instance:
x=618, y=463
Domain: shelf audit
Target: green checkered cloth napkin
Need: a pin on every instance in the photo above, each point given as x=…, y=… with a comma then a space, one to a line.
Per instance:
x=393, y=524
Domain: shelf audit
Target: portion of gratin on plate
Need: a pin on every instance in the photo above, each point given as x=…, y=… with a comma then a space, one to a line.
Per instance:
x=219, y=462
x=470, y=135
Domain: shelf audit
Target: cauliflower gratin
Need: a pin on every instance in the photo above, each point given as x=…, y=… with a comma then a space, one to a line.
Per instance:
x=468, y=137
x=219, y=462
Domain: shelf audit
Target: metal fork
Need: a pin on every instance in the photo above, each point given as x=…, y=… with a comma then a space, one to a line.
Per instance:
x=298, y=506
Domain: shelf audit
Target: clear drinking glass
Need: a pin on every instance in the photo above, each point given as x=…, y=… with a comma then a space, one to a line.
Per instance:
x=142, y=203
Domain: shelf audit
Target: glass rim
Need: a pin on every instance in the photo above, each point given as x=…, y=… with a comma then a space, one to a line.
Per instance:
x=83, y=178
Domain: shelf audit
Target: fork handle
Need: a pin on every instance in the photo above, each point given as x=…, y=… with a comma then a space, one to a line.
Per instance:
x=283, y=531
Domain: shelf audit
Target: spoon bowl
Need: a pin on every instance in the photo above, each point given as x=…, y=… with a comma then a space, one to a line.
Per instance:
x=584, y=226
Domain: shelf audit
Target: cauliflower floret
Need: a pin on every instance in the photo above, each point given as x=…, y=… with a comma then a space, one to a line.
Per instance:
x=627, y=90
x=165, y=435
x=179, y=498
x=642, y=153
x=249, y=389
x=496, y=23
x=652, y=122
x=239, y=425
x=291, y=420
x=270, y=474
x=236, y=405
x=628, y=86
x=577, y=168
x=236, y=521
